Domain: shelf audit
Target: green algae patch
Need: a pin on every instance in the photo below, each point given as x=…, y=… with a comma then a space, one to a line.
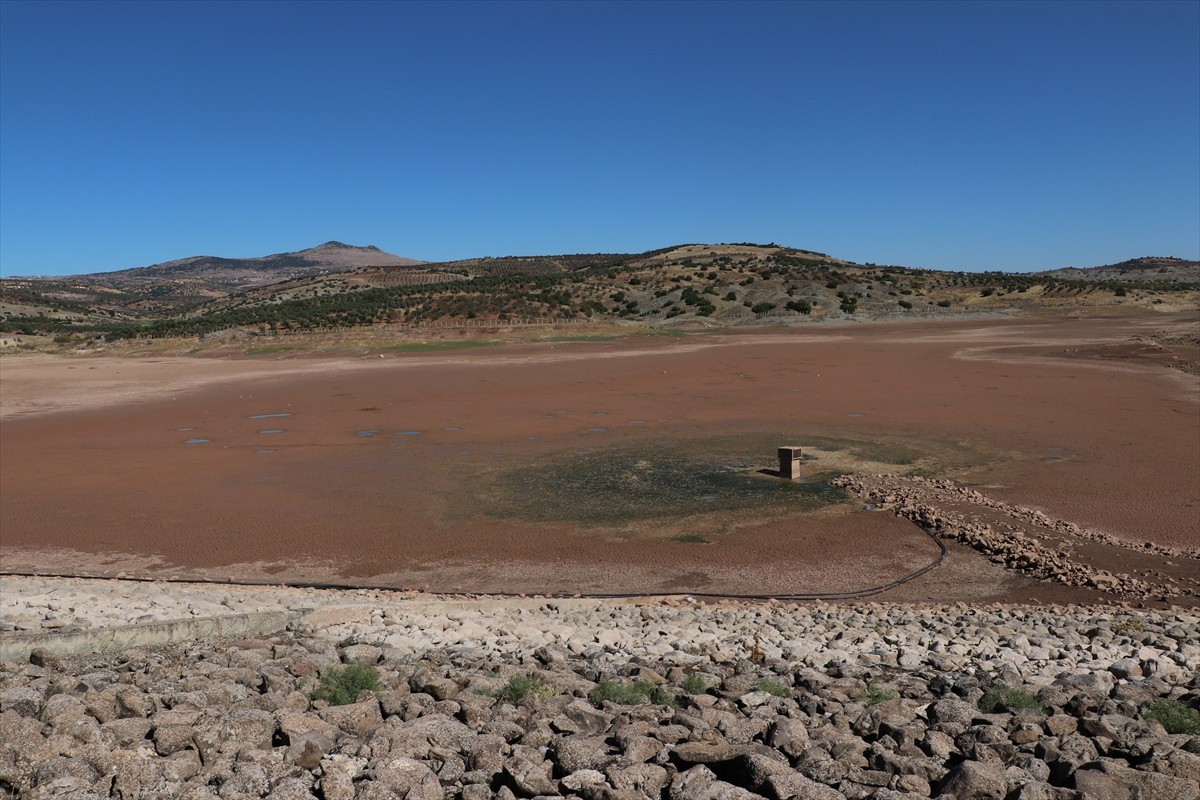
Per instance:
x=624, y=484
x=652, y=486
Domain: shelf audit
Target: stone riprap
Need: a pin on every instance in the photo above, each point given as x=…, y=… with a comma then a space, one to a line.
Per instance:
x=516, y=698
x=1021, y=539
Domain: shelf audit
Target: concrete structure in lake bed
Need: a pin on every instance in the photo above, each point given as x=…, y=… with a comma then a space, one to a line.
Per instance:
x=789, y=462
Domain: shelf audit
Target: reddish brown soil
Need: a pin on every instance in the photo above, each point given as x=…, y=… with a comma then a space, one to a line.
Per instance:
x=105, y=486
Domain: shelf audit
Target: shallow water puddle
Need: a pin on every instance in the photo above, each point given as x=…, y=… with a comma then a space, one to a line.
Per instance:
x=367, y=434
x=196, y=441
x=272, y=430
x=269, y=416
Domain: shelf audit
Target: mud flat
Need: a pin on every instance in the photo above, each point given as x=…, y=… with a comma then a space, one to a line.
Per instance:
x=553, y=467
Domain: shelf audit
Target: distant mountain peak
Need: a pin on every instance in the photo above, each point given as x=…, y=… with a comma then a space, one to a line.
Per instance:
x=333, y=244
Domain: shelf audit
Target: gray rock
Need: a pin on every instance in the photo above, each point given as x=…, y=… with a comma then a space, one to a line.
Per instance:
x=137, y=778
x=170, y=739
x=789, y=736
x=690, y=753
x=640, y=748
x=62, y=709
x=24, y=700
x=647, y=779
x=579, y=753
x=357, y=719
x=368, y=654
x=952, y=711
x=1126, y=668
x=974, y=780
x=581, y=717
x=294, y=788
x=584, y=777
x=1114, y=781
x=306, y=749
x=408, y=778
x=531, y=776
x=247, y=728
x=792, y=785
x=691, y=783
x=476, y=791
x=125, y=732
x=41, y=657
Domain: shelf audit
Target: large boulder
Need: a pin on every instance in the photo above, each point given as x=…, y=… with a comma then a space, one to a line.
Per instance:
x=976, y=780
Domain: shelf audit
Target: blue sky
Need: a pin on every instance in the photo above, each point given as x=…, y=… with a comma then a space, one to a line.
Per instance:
x=1010, y=135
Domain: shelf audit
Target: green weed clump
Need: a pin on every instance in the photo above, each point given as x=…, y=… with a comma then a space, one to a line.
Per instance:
x=519, y=687
x=694, y=684
x=632, y=693
x=1005, y=698
x=342, y=686
x=1175, y=715
x=773, y=687
x=874, y=694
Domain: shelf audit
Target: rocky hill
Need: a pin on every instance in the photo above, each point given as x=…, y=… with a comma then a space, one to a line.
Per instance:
x=1147, y=268
x=692, y=286
x=174, y=285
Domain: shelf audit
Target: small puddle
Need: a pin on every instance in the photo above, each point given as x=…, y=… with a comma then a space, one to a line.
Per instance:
x=366, y=434
x=599, y=413
x=855, y=414
x=269, y=416
x=264, y=452
x=594, y=430
x=272, y=430
x=1056, y=449
x=196, y=441
x=185, y=430
x=452, y=428
x=637, y=422
x=410, y=433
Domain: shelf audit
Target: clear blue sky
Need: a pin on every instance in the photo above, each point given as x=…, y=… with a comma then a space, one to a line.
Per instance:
x=1011, y=135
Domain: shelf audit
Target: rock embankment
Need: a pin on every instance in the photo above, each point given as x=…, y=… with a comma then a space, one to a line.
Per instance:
x=1023, y=539
x=654, y=699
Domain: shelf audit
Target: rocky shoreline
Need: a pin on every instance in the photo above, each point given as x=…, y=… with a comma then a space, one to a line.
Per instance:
x=1022, y=539
x=613, y=699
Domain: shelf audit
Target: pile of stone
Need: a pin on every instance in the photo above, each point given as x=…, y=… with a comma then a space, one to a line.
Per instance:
x=724, y=701
x=926, y=502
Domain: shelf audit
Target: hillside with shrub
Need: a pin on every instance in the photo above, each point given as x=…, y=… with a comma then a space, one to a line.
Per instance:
x=695, y=286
